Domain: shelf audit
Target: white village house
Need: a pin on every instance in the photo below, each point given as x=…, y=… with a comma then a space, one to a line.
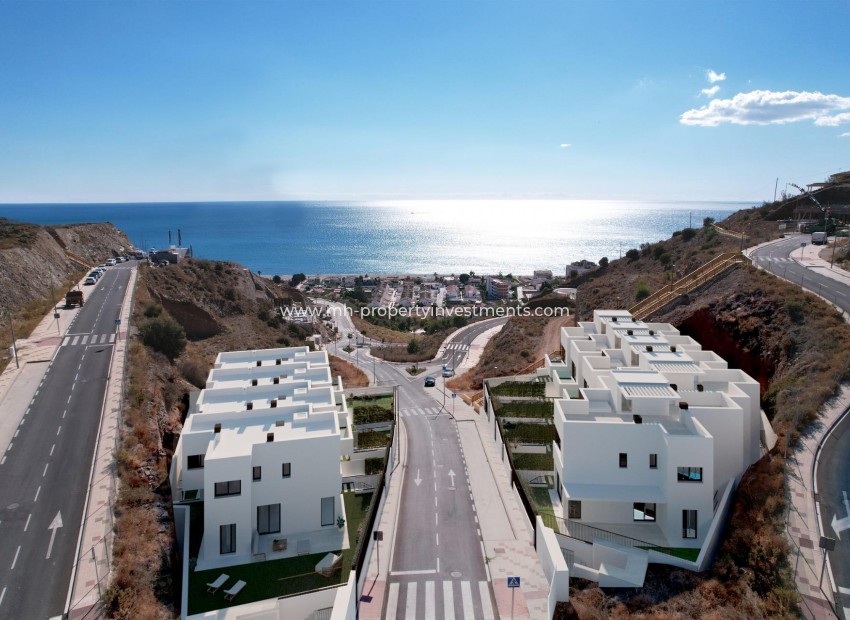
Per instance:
x=652, y=432
x=261, y=447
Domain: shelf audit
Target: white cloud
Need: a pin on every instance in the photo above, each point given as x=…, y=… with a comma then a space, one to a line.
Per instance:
x=715, y=77
x=709, y=92
x=566, y=146
x=846, y=134
x=766, y=107
x=833, y=121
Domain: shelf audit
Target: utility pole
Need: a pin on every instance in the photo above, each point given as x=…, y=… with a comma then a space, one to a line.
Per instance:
x=14, y=345
x=56, y=313
x=775, y=187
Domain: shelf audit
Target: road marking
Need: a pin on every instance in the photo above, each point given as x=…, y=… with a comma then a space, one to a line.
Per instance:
x=52, y=448
x=77, y=377
x=66, y=340
x=15, y=561
x=44, y=473
x=436, y=519
x=64, y=412
x=26, y=526
x=466, y=591
x=111, y=338
x=2, y=595
x=73, y=342
x=844, y=590
x=400, y=573
x=429, y=601
x=485, y=600
x=84, y=340
x=3, y=460
x=9, y=448
x=37, y=491
x=392, y=602
x=69, y=398
x=438, y=538
x=448, y=601
x=410, y=606
x=58, y=430
x=54, y=525
x=16, y=433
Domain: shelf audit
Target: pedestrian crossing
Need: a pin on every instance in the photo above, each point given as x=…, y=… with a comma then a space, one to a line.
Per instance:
x=456, y=346
x=414, y=411
x=773, y=259
x=88, y=339
x=429, y=600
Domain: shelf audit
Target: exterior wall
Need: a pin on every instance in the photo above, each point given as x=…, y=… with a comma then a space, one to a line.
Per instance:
x=220, y=511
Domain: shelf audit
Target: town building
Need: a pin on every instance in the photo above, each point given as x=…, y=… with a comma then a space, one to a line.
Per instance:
x=471, y=293
x=261, y=447
x=542, y=274
x=498, y=288
x=652, y=432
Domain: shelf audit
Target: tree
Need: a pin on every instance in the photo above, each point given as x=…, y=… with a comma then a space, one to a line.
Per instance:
x=633, y=254
x=297, y=279
x=603, y=262
x=277, y=279
x=707, y=221
x=688, y=234
x=464, y=278
x=413, y=346
x=165, y=335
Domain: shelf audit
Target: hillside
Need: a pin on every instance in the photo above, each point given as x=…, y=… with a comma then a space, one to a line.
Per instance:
x=34, y=258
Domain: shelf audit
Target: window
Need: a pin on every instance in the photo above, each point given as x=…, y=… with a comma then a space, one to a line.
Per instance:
x=689, y=474
x=287, y=470
x=231, y=487
x=258, y=473
x=644, y=512
x=227, y=538
x=574, y=509
x=558, y=485
x=624, y=459
x=689, y=524
x=328, y=510
x=268, y=519
x=195, y=461
x=653, y=461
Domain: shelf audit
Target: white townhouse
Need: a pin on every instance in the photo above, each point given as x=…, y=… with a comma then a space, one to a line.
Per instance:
x=261, y=447
x=651, y=431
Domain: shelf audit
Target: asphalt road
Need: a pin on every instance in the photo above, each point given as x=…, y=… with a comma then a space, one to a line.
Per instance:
x=457, y=347
x=46, y=470
x=437, y=568
x=833, y=473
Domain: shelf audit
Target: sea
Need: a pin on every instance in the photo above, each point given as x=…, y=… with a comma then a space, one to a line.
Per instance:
x=392, y=237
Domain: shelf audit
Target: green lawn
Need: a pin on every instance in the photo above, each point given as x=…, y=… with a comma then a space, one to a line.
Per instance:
x=539, y=462
x=368, y=410
x=519, y=388
x=276, y=578
x=372, y=439
x=685, y=553
x=524, y=408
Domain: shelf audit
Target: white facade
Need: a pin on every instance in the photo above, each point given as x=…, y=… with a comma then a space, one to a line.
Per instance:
x=651, y=428
x=498, y=288
x=261, y=447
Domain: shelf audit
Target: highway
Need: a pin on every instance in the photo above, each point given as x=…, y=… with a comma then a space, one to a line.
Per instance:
x=46, y=469
x=833, y=472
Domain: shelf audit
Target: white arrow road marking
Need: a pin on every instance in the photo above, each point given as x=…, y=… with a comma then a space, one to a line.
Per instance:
x=54, y=525
x=452, y=476
x=417, y=480
x=839, y=525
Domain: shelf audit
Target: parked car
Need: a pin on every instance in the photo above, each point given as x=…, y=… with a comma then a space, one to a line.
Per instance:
x=111, y=262
x=94, y=274
x=90, y=280
x=448, y=372
x=430, y=381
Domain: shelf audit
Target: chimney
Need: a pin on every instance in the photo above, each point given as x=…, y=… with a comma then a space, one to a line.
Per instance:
x=630, y=332
x=672, y=348
x=277, y=362
x=276, y=380
x=651, y=332
x=273, y=403
x=700, y=387
x=253, y=382
x=217, y=428
x=649, y=348
x=269, y=437
x=674, y=387
x=638, y=419
x=259, y=362
x=683, y=405
x=249, y=405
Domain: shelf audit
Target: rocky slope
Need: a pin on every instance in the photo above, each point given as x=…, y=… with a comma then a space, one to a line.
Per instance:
x=34, y=258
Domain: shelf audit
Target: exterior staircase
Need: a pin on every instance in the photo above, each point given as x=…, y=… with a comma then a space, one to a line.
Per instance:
x=686, y=284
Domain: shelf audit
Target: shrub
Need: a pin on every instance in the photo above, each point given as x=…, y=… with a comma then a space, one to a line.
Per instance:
x=642, y=291
x=165, y=335
x=277, y=279
x=153, y=310
x=707, y=221
x=688, y=234
x=633, y=254
x=657, y=251
x=193, y=373
x=413, y=346
x=374, y=466
x=229, y=294
x=603, y=262
x=665, y=258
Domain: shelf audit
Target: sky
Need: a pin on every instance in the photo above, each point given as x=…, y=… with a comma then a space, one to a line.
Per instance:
x=367, y=99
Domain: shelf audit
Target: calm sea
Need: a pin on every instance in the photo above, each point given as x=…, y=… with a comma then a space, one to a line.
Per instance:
x=392, y=237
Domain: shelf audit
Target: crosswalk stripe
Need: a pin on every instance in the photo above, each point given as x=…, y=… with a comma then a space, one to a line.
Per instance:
x=410, y=608
x=76, y=338
x=392, y=602
x=429, y=601
x=466, y=591
x=66, y=340
x=111, y=337
x=485, y=600
x=448, y=600
x=84, y=340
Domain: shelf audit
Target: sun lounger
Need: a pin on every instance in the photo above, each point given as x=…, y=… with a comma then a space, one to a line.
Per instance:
x=329, y=564
x=232, y=592
x=213, y=587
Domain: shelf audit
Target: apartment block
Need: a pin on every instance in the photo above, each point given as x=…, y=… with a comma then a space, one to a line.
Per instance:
x=261, y=448
x=498, y=288
x=652, y=431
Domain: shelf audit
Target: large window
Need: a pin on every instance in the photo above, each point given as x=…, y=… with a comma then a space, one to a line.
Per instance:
x=689, y=524
x=653, y=461
x=195, y=461
x=624, y=460
x=268, y=519
x=689, y=474
x=231, y=487
x=328, y=510
x=227, y=538
x=574, y=509
x=644, y=511
x=257, y=472
x=287, y=470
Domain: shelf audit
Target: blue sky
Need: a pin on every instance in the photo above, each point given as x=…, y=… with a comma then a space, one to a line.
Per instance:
x=366, y=99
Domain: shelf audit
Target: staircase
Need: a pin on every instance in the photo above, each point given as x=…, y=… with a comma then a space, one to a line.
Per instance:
x=476, y=399
x=686, y=284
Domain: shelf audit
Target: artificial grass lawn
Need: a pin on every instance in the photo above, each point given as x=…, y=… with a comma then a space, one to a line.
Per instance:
x=539, y=462
x=685, y=553
x=276, y=578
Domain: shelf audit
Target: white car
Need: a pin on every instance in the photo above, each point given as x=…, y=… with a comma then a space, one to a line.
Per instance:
x=111, y=262
x=448, y=372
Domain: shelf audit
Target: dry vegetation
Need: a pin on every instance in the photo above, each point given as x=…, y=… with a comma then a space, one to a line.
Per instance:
x=222, y=307
x=352, y=376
